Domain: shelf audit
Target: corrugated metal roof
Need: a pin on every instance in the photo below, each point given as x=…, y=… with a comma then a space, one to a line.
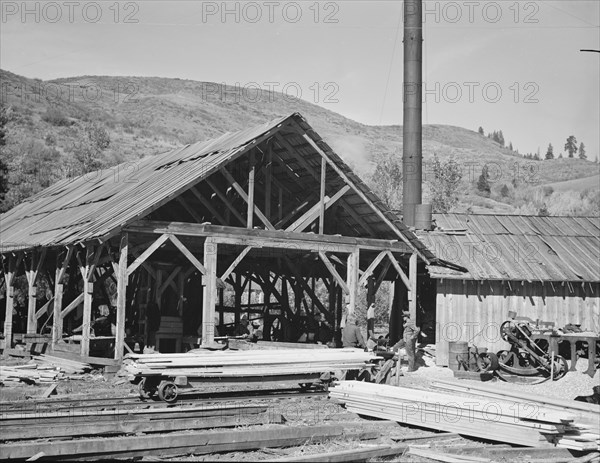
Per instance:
x=524, y=248
x=99, y=204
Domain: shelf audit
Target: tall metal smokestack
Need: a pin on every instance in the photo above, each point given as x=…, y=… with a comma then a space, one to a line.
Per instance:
x=412, y=156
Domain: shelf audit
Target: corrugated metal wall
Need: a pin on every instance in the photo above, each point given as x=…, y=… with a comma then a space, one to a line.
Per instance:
x=471, y=311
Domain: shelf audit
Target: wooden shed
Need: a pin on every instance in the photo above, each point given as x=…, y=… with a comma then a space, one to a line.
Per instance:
x=543, y=268
x=271, y=206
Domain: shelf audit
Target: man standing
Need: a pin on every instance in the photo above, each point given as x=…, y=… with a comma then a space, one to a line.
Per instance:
x=410, y=336
x=351, y=336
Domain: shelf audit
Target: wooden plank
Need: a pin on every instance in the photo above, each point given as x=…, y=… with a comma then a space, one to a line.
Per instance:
x=209, y=298
x=88, y=293
x=311, y=215
x=169, y=279
x=226, y=201
x=131, y=424
x=357, y=454
x=32, y=275
x=412, y=294
x=401, y=273
x=185, y=251
x=189, y=209
x=147, y=253
x=244, y=196
x=322, y=195
x=122, y=281
x=10, y=300
x=234, y=264
x=196, y=442
x=340, y=281
x=61, y=271
x=268, y=181
x=352, y=278
x=439, y=456
x=251, y=175
x=42, y=310
x=72, y=305
x=371, y=268
x=206, y=203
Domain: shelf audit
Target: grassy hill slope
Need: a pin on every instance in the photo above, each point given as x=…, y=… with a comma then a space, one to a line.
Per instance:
x=145, y=116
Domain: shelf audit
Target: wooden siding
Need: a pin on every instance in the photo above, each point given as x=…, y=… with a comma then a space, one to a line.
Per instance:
x=473, y=312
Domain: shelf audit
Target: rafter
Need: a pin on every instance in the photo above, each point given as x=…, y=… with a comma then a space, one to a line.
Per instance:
x=340, y=281
x=207, y=205
x=371, y=268
x=226, y=201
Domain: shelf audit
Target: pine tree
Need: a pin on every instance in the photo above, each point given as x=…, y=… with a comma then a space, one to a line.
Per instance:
x=571, y=145
x=582, y=154
x=501, y=138
x=480, y=130
x=550, y=152
x=4, y=119
x=510, y=146
x=483, y=183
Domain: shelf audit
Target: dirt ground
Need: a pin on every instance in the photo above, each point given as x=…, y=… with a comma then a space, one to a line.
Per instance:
x=317, y=410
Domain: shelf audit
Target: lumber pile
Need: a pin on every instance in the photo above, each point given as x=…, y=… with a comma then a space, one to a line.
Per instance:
x=220, y=364
x=29, y=374
x=583, y=433
x=530, y=424
x=42, y=369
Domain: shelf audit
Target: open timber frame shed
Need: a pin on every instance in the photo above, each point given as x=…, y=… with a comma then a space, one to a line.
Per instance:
x=273, y=205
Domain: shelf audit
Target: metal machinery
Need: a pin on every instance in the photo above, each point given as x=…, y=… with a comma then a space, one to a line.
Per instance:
x=527, y=357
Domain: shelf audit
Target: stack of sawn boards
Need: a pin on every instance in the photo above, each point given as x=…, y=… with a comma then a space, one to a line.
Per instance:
x=582, y=434
x=42, y=369
x=516, y=422
x=231, y=363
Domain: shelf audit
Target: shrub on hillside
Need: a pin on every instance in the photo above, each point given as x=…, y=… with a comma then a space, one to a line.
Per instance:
x=56, y=117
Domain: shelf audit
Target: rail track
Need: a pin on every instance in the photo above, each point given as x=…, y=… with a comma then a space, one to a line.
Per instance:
x=134, y=401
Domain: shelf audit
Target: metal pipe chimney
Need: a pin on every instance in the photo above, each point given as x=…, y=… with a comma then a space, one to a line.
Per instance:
x=412, y=156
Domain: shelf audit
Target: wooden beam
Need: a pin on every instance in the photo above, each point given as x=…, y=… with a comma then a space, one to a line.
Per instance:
x=268, y=181
x=147, y=253
x=122, y=281
x=352, y=278
x=226, y=201
x=380, y=278
x=234, y=264
x=189, y=209
x=210, y=292
x=412, y=295
x=401, y=273
x=185, y=251
x=10, y=300
x=340, y=281
x=251, y=175
x=312, y=214
x=359, y=192
x=168, y=281
x=367, y=273
x=88, y=293
x=32, y=275
x=322, y=196
x=291, y=214
x=206, y=203
x=42, y=310
x=244, y=196
x=307, y=289
x=72, y=305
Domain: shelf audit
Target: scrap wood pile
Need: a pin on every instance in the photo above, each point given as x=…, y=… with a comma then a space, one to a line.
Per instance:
x=219, y=364
x=530, y=423
x=42, y=369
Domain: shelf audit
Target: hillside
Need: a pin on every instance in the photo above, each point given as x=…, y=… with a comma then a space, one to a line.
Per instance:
x=146, y=116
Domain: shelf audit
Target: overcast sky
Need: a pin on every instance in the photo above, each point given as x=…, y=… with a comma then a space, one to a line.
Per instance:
x=514, y=66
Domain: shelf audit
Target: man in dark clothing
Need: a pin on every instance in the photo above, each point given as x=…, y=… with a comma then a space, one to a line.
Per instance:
x=410, y=336
x=351, y=336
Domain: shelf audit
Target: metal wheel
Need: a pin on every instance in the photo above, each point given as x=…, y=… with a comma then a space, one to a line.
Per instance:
x=488, y=362
x=167, y=392
x=560, y=367
x=505, y=329
x=145, y=389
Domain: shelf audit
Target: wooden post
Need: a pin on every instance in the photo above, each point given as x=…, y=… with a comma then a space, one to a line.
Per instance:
x=250, y=217
x=280, y=205
x=88, y=294
x=352, y=278
x=61, y=270
x=322, y=197
x=122, y=280
x=268, y=181
x=210, y=292
x=412, y=295
x=10, y=300
x=237, y=297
